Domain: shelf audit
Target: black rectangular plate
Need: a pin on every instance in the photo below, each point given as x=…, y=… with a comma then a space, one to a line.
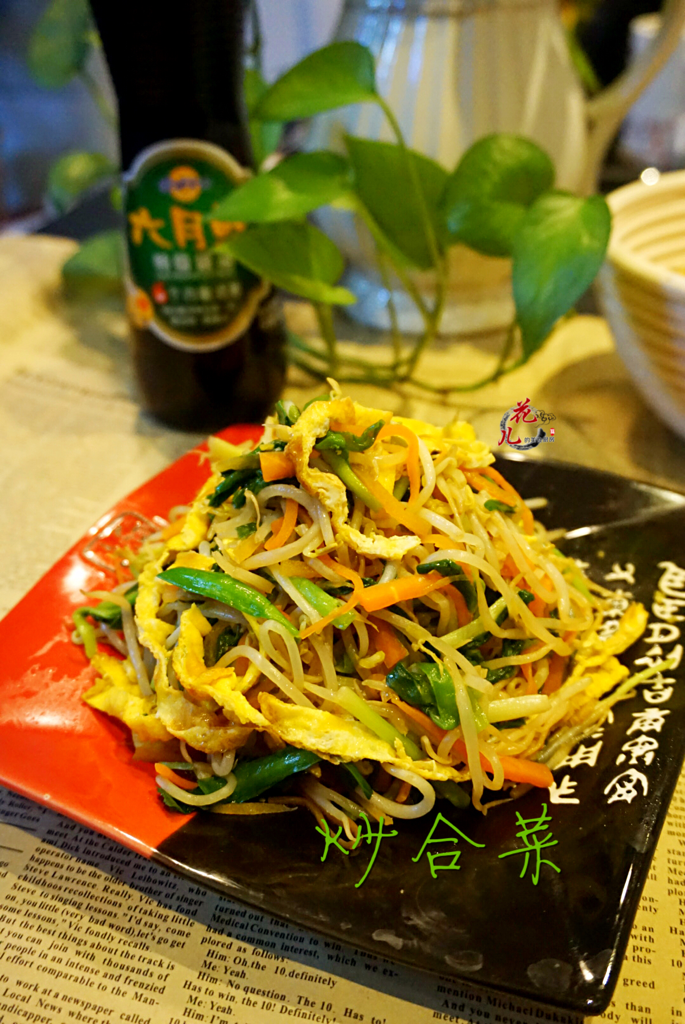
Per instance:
x=561, y=941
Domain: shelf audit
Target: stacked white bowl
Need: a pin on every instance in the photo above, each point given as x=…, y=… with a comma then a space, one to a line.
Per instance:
x=641, y=289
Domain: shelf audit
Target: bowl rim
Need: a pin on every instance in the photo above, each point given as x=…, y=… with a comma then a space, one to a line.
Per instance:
x=620, y=254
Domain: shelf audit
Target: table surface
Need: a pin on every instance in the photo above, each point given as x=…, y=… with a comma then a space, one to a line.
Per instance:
x=74, y=440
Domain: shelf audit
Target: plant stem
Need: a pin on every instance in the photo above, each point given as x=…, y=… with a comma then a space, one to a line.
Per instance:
x=432, y=320
x=369, y=376
x=426, y=338
x=499, y=371
x=299, y=344
x=392, y=308
x=255, y=48
x=324, y=315
x=99, y=98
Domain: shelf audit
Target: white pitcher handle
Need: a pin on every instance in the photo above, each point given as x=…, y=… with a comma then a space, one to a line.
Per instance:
x=606, y=110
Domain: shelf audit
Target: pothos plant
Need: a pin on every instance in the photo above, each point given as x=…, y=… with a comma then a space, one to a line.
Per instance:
x=499, y=200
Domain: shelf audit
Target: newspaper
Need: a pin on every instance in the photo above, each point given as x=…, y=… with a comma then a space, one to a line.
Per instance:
x=91, y=932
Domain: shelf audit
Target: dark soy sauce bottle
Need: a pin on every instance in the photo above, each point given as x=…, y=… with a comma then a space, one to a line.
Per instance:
x=208, y=336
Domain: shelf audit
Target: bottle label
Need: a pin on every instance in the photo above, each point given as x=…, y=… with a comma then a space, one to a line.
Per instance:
x=179, y=284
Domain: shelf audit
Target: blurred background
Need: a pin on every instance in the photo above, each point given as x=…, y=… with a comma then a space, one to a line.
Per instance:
x=47, y=111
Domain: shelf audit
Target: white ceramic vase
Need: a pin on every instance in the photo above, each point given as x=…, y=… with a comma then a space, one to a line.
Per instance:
x=454, y=71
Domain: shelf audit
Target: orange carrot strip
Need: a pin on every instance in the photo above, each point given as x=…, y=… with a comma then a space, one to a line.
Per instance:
x=385, y=640
x=483, y=483
x=277, y=524
x=529, y=677
x=509, y=568
x=171, y=776
x=405, y=588
x=413, y=463
x=285, y=526
x=434, y=732
x=557, y=667
x=393, y=507
x=464, y=616
x=352, y=601
x=516, y=769
x=538, y=607
x=276, y=465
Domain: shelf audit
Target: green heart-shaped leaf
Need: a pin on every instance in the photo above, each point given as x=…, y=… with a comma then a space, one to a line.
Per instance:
x=558, y=250
x=332, y=77
x=296, y=257
x=75, y=173
x=97, y=266
x=487, y=194
x=385, y=187
x=297, y=185
x=60, y=42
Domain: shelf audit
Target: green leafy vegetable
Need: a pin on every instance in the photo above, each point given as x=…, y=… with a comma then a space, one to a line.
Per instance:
x=344, y=591
x=492, y=505
x=238, y=481
x=332, y=77
x=474, y=630
x=512, y=723
x=385, y=730
x=229, y=485
x=448, y=567
x=359, y=779
x=246, y=530
x=453, y=792
x=228, y=591
x=107, y=612
x=509, y=649
x=341, y=467
x=444, y=712
x=427, y=685
x=322, y=602
x=287, y=412
x=257, y=776
x=204, y=787
x=412, y=687
x=228, y=639
x=341, y=441
x=559, y=248
x=401, y=487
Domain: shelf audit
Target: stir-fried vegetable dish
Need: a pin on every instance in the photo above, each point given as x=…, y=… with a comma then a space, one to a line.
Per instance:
x=358, y=614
